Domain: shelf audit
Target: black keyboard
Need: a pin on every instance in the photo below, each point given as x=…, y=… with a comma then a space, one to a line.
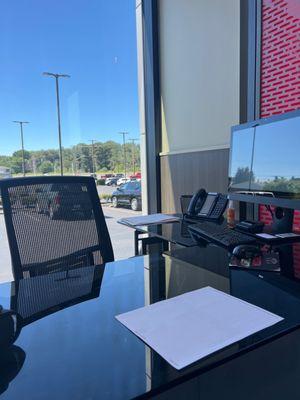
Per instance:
x=220, y=234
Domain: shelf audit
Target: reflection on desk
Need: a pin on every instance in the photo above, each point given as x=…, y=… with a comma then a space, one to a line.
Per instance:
x=11, y=363
x=173, y=232
x=39, y=296
x=81, y=351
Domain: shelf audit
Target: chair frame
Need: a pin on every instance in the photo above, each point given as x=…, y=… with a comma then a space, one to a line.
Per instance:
x=104, y=241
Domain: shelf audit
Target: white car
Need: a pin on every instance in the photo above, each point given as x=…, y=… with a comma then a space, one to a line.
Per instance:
x=121, y=181
x=5, y=173
x=108, y=180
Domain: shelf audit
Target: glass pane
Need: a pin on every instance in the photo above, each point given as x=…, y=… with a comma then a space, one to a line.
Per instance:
x=241, y=155
x=276, y=164
x=68, y=87
x=84, y=55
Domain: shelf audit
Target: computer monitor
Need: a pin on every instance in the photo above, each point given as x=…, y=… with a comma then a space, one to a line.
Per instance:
x=241, y=158
x=276, y=160
x=264, y=161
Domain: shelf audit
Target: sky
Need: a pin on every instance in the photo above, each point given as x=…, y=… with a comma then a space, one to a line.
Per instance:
x=94, y=42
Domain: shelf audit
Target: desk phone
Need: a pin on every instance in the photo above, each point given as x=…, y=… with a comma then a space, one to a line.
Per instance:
x=209, y=206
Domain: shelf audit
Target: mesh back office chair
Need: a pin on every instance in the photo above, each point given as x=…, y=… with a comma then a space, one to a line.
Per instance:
x=54, y=224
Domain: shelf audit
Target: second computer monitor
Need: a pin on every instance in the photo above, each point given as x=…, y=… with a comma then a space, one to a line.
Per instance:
x=276, y=160
x=264, y=156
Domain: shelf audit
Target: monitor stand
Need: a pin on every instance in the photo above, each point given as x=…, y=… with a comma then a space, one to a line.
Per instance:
x=282, y=220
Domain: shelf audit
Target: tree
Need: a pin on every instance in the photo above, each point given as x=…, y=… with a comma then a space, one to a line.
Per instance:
x=19, y=154
x=46, y=167
x=108, y=156
x=16, y=165
x=5, y=161
x=243, y=175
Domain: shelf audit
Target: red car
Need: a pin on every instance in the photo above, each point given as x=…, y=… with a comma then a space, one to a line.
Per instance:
x=137, y=175
x=105, y=176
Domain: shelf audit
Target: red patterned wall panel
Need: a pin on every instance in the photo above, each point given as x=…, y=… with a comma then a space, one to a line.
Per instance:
x=280, y=57
x=280, y=74
x=280, y=65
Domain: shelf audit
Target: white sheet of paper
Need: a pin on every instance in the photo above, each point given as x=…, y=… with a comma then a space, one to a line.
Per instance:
x=149, y=219
x=188, y=327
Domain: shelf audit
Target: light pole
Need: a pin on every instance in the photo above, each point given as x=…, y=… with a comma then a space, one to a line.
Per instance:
x=22, y=143
x=124, y=147
x=57, y=76
x=93, y=155
x=133, y=154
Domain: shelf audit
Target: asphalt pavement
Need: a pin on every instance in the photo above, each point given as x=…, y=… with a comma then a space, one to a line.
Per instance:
x=41, y=229
x=122, y=237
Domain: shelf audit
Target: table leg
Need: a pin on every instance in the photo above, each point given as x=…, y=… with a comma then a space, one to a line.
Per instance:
x=166, y=245
x=136, y=242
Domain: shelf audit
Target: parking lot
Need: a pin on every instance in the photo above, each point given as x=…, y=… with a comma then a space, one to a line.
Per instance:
x=42, y=230
x=105, y=189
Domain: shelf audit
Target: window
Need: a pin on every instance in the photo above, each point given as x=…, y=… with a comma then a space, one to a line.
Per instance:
x=83, y=54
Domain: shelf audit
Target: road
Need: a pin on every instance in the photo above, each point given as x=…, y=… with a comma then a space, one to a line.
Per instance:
x=121, y=236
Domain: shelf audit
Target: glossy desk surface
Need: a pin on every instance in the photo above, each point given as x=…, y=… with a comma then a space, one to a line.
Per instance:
x=177, y=232
x=72, y=347
x=173, y=232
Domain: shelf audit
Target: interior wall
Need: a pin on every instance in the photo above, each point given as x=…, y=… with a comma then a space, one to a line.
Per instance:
x=199, y=81
x=185, y=173
x=199, y=73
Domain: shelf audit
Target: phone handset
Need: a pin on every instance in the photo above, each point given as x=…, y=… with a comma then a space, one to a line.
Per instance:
x=197, y=202
x=207, y=205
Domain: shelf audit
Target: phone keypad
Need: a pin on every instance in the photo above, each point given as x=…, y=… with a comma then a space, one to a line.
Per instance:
x=219, y=207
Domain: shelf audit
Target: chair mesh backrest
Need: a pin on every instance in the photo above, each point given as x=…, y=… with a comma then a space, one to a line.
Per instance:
x=54, y=223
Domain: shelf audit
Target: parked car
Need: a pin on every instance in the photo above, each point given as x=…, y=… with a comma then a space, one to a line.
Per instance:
x=59, y=200
x=5, y=173
x=119, y=175
x=137, y=175
x=105, y=176
x=111, y=181
x=121, y=181
x=128, y=194
x=94, y=176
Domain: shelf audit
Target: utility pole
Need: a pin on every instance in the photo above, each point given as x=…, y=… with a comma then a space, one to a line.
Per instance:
x=124, y=147
x=22, y=143
x=34, y=165
x=93, y=155
x=57, y=76
x=133, y=154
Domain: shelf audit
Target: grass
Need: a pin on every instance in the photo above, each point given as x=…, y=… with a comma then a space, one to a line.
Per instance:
x=105, y=196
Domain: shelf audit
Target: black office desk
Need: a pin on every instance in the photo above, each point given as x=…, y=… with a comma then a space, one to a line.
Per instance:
x=178, y=233
x=72, y=347
x=172, y=232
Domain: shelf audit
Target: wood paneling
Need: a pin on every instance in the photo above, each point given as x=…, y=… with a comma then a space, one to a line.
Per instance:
x=186, y=173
